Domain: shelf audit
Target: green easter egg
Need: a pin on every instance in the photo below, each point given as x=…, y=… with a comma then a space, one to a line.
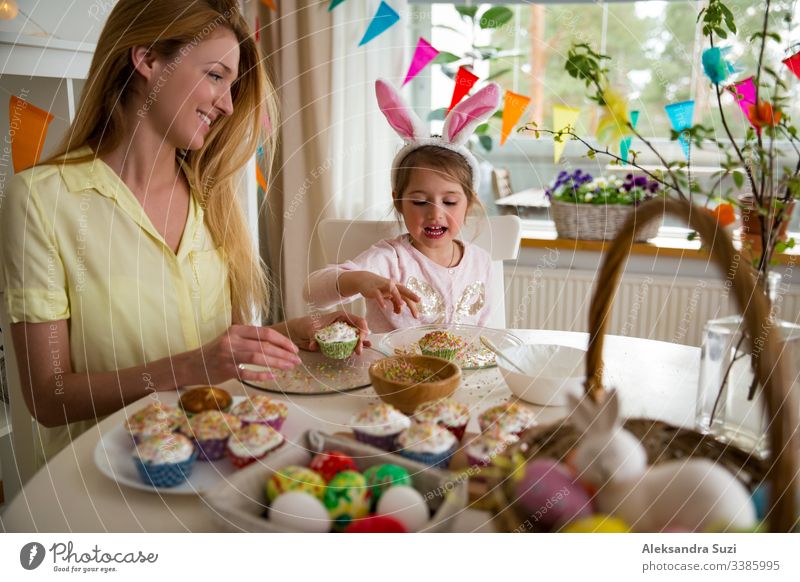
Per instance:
x=346, y=498
x=381, y=477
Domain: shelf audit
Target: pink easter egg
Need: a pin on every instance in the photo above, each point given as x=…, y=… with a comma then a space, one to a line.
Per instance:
x=550, y=497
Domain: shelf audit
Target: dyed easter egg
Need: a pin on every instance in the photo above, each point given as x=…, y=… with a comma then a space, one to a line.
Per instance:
x=299, y=512
x=376, y=524
x=406, y=505
x=381, y=477
x=347, y=498
x=329, y=463
x=597, y=523
x=295, y=478
x=549, y=495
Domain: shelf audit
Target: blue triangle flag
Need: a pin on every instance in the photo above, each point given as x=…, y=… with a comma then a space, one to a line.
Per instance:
x=680, y=116
x=384, y=18
x=334, y=4
x=625, y=144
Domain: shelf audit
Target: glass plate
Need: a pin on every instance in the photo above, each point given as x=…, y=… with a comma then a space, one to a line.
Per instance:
x=321, y=375
x=473, y=357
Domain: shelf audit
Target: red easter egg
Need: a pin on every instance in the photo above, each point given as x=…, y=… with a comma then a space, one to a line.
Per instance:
x=376, y=524
x=329, y=463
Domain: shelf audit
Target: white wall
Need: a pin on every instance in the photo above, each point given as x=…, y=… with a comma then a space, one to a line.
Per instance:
x=75, y=20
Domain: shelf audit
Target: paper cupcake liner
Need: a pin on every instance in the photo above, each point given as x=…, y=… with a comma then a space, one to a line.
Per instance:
x=275, y=423
x=446, y=353
x=457, y=431
x=437, y=460
x=165, y=474
x=241, y=462
x=337, y=350
x=386, y=442
x=474, y=461
x=211, y=449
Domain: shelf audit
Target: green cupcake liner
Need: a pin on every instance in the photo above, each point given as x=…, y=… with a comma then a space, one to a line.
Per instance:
x=337, y=350
x=447, y=354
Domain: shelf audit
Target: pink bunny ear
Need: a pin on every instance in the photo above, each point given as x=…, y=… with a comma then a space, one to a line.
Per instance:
x=467, y=115
x=400, y=116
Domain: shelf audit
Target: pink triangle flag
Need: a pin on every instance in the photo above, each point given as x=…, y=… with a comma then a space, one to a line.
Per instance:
x=423, y=55
x=464, y=82
x=744, y=92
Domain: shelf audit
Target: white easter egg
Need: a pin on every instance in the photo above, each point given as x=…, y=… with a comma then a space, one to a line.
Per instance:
x=406, y=505
x=299, y=511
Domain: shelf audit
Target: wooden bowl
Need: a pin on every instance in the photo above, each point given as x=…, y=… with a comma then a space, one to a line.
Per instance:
x=406, y=396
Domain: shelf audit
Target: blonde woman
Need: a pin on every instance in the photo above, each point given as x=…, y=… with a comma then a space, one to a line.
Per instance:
x=127, y=262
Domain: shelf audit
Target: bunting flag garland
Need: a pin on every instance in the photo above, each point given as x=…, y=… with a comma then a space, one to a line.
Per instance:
x=423, y=55
x=563, y=117
x=384, y=18
x=680, y=116
x=612, y=127
x=625, y=144
x=464, y=82
x=27, y=130
x=744, y=92
x=257, y=28
x=514, y=106
x=334, y=4
x=269, y=4
x=793, y=64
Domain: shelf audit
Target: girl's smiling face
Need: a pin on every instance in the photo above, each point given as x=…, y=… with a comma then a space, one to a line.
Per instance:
x=434, y=207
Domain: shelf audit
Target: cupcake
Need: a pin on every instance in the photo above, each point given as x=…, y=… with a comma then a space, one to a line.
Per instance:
x=379, y=425
x=210, y=431
x=483, y=448
x=447, y=413
x=261, y=410
x=153, y=419
x=252, y=442
x=164, y=460
x=205, y=398
x=428, y=443
x=509, y=417
x=338, y=340
x=441, y=344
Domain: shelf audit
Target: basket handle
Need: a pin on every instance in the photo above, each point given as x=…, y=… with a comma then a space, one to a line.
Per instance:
x=779, y=399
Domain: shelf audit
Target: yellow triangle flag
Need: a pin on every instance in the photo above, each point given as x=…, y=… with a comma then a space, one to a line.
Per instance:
x=513, y=107
x=28, y=130
x=563, y=117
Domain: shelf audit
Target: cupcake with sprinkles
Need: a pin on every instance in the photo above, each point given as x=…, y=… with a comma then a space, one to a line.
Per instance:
x=251, y=443
x=508, y=417
x=153, y=419
x=427, y=443
x=482, y=450
x=379, y=426
x=210, y=431
x=165, y=460
x=260, y=409
x=447, y=413
x=441, y=344
x=338, y=340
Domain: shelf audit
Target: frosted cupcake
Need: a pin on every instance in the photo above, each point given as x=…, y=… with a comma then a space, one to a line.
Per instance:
x=447, y=413
x=153, y=419
x=379, y=425
x=509, y=417
x=482, y=450
x=210, y=431
x=252, y=442
x=261, y=410
x=338, y=340
x=205, y=398
x=429, y=444
x=441, y=344
x=164, y=460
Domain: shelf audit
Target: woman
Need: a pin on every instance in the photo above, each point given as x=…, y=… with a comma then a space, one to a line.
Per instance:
x=127, y=262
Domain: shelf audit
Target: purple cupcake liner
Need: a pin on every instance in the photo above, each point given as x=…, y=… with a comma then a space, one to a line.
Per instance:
x=275, y=423
x=165, y=474
x=210, y=449
x=437, y=460
x=386, y=442
x=474, y=461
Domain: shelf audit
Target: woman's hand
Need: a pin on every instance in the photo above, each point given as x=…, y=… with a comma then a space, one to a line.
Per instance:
x=223, y=358
x=303, y=329
x=379, y=289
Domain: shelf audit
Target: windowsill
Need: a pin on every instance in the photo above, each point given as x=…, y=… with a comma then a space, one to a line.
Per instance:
x=670, y=242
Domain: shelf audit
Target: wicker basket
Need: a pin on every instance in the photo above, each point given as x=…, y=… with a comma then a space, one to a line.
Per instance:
x=597, y=221
x=662, y=441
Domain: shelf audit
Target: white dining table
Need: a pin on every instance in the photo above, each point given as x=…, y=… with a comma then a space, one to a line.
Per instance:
x=70, y=494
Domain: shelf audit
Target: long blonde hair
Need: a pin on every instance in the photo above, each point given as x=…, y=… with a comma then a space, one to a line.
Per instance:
x=165, y=28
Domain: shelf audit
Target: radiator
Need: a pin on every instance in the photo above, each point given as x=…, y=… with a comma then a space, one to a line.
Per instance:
x=655, y=307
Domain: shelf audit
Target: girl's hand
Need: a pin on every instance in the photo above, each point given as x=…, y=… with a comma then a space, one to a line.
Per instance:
x=303, y=329
x=222, y=359
x=378, y=288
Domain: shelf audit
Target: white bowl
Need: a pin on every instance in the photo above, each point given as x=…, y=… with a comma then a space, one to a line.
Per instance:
x=552, y=372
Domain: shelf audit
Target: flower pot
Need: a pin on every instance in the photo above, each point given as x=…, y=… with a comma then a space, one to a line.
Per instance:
x=596, y=221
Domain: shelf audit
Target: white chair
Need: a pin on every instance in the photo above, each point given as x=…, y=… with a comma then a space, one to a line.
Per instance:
x=344, y=239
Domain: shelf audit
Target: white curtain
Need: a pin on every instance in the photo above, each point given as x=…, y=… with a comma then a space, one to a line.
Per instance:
x=363, y=145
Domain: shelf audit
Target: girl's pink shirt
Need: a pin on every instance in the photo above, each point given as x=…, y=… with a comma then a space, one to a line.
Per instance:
x=460, y=294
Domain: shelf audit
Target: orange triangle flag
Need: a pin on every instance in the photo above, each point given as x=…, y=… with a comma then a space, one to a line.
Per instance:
x=28, y=129
x=262, y=181
x=513, y=107
x=269, y=4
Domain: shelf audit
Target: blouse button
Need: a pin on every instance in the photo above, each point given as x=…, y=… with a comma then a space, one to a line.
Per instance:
x=452, y=271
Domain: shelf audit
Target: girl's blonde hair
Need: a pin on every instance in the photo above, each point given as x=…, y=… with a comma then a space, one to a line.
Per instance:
x=166, y=28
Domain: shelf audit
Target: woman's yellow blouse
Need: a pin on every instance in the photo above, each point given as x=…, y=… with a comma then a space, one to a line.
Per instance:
x=77, y=245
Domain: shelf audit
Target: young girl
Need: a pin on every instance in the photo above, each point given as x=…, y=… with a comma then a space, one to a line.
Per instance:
x=429, y=271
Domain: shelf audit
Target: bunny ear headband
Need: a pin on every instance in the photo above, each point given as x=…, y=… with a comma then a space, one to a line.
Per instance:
x=458, y=125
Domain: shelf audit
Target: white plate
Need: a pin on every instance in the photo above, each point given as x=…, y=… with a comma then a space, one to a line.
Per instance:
x=112, y=455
